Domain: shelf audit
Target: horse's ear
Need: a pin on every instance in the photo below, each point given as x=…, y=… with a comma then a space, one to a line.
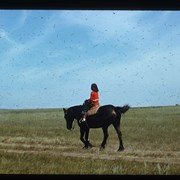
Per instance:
x=65, y=110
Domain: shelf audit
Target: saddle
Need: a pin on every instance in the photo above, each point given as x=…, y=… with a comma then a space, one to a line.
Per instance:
x=92, y=111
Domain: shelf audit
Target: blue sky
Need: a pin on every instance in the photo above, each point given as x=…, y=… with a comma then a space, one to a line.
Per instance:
x=49, y=58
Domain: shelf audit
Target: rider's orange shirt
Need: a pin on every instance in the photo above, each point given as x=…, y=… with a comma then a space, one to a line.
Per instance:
x=94, y=98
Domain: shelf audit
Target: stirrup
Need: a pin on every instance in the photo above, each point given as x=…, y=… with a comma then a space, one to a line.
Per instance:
x=82, y=120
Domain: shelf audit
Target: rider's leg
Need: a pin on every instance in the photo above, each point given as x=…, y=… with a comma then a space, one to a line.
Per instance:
x=84, y=117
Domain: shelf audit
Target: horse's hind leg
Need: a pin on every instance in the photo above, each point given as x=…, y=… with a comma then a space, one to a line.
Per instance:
x=117, y=127
x=105, y=131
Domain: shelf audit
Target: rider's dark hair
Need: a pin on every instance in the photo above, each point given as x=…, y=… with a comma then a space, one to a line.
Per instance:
x=94, y=87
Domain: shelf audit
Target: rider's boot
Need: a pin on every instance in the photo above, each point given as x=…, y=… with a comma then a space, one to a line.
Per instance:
x=83, y=119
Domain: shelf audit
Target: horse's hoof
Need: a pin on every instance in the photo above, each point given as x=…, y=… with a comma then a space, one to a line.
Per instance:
x=90, y=146
x=85, y=147
x=101, y=148
x=121, y=149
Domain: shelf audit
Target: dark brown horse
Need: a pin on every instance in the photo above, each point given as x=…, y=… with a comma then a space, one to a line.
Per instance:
x=105, y=116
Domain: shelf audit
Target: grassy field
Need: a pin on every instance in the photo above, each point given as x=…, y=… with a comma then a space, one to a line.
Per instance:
x=37, y=142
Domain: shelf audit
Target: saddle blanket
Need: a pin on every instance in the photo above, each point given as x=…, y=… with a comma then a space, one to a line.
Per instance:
x=93, y=110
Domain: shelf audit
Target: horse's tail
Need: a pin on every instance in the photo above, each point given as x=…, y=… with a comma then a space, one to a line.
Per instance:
x=122, y=109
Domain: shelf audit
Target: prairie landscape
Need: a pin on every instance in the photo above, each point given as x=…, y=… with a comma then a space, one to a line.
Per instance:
x=36, y=141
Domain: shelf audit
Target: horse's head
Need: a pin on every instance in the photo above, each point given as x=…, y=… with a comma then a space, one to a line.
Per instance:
x=68, y=116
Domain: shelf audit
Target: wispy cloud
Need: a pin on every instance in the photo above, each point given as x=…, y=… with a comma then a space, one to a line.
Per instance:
x=6, y=37
x=20, y=22
x=16, y=48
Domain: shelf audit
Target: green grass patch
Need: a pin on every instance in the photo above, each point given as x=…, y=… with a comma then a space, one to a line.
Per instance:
x=36, y=141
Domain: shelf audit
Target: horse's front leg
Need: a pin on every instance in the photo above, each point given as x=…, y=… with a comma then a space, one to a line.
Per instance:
x=85, y=132
x=105, y=131
x=88, y=144
x=82, y=132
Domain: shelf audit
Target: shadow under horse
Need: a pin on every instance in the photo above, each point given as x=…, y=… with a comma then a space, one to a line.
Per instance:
x=105, y=116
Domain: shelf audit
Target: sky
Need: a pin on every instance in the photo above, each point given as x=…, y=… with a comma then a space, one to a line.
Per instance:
x=50, y=58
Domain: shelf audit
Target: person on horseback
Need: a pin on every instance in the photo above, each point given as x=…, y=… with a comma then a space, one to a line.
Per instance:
x=93, y=101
